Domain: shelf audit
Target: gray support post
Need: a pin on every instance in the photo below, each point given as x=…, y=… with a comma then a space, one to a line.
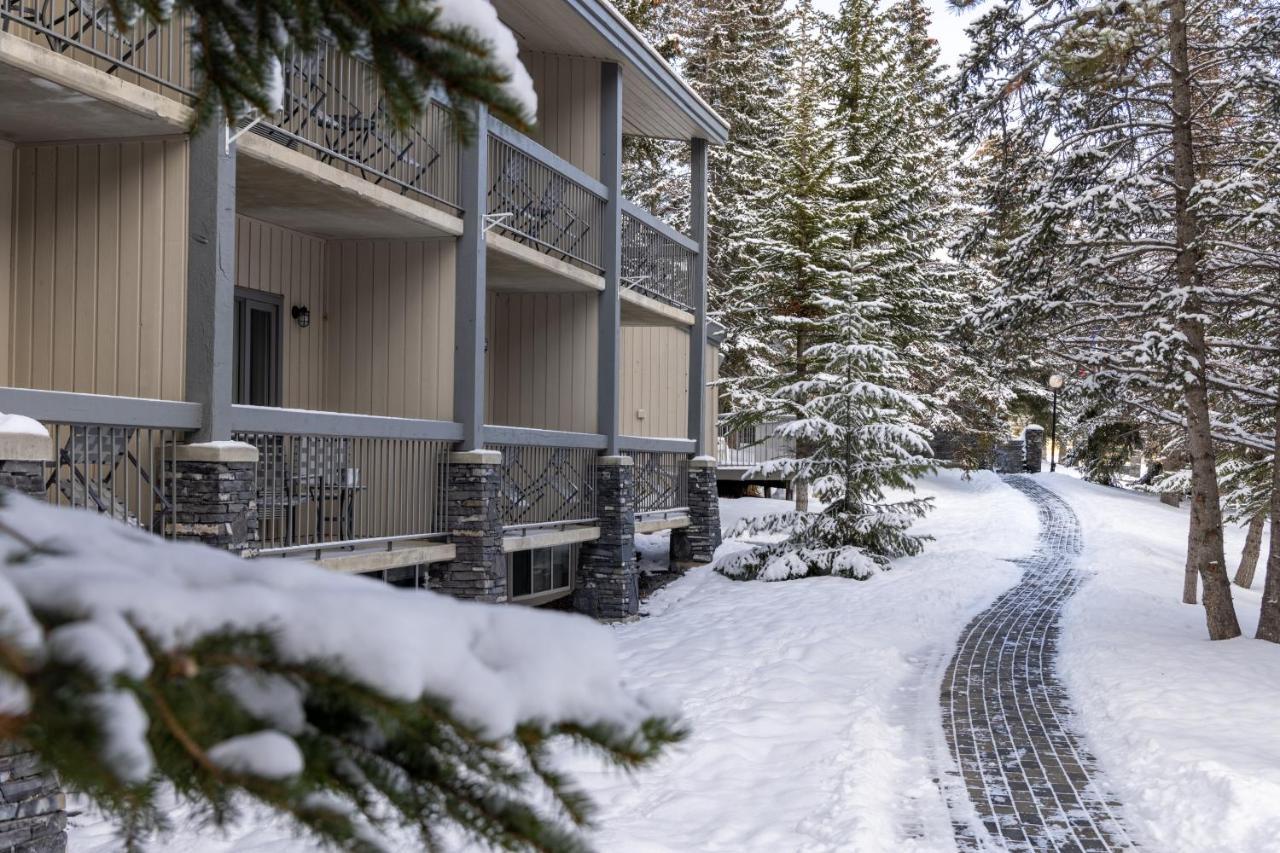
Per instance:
x=698, y=334
x=211, y=263
x=608, y=398
x=469, y=311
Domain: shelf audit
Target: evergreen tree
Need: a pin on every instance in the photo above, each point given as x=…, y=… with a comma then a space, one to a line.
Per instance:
x=1146, y=230
x=820, y=371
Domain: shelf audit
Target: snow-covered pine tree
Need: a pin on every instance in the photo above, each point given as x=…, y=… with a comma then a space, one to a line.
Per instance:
x=863, y=441
x=1149, y=226
x=735, y=54
x=822, y=374
x=457, y=45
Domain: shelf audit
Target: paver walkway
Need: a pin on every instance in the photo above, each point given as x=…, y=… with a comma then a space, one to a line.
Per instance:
x=1006, y=716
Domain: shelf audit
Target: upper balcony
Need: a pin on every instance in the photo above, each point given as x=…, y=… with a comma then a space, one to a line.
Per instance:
x=545, y=202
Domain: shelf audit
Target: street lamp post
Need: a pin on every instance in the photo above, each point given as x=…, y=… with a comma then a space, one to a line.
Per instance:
x=1056, y=382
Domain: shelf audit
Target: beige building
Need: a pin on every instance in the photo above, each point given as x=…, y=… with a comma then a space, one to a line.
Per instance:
x=375, y=312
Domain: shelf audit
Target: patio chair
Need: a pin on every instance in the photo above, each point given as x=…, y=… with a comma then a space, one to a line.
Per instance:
x=93, y=457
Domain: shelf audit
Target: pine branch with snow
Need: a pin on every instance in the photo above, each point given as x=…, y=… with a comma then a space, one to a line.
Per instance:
x=360, y=711
x=457, y=46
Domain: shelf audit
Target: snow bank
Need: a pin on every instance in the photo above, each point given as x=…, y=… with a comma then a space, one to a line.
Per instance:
x=496, y=666
x=812, y=704
x=1185, y=728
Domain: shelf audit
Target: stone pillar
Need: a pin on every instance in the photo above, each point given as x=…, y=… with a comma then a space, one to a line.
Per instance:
x=696, y=544
x=212, y=486
x=479, y=570
x=25, y=448
x=33, y=815
x=1010, y=456
x=608, y=581
x=1033, y=441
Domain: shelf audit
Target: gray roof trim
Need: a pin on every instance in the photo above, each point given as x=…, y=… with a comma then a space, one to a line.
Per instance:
x=618, y=30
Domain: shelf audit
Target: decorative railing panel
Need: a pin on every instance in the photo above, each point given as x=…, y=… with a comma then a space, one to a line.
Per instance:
x=333, y=107
x=157, y=56
x=125, y=472
x=542, y=206
x=662, y=480
x=753, y=445
x=329, y=491
x=546, y=485
x=654, y=264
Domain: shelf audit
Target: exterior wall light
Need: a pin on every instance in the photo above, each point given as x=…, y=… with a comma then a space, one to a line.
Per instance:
x=302, y=315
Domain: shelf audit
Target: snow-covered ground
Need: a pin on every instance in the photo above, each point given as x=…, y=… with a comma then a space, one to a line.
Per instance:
x=1185, y=729
x=813, y=703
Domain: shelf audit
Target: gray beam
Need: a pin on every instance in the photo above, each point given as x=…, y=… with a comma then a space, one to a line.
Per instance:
x=608, y=398
x=469, y=321
x=542, y=437
x=698, y=332
x=306, y=422
x=211, y=259
x=638, y=443
x=67, y=407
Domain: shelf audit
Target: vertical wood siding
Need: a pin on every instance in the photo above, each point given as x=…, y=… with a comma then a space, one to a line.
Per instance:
x=292, y=264
x=568, y=90
x=711, y=397
x=541, y=365
x=98, y=270
x=655, y=381
x=6, y=257
x=389, y=332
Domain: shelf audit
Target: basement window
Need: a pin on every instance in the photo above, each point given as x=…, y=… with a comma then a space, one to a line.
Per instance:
x=541, y=574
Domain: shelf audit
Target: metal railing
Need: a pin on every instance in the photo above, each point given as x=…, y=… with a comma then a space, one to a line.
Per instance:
x=144, y=53
x=324, y=491
x=753, y=445
x=125, y=472
x=333, y=106
x=543, y=485
x=653, y=262
x=537, y=199
x=662, y=480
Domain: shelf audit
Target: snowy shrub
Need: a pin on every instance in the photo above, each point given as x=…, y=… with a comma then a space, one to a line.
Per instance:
x=130, y=664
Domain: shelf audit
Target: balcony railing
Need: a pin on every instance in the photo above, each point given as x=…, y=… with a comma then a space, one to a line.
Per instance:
x=542, y=201
x=548, y=478
x=333, y=106
x=753, y=445
x=662, y=480
x=343, y=481
x=657, y=260
x=154, y=55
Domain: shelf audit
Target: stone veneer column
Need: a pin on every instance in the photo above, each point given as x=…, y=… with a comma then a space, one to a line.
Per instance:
x=23, y=456
x=608, y=581
x=696, y=544
x=479, y=569
x=1033, y=441
x=213, y=491
x=33, y=817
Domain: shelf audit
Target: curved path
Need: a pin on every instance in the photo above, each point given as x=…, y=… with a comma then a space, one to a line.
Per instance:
x=1006, y=715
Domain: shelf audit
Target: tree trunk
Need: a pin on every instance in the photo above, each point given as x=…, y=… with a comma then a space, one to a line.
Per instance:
x=1269, y=621
x=1204, y=539
x=1252, y=550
